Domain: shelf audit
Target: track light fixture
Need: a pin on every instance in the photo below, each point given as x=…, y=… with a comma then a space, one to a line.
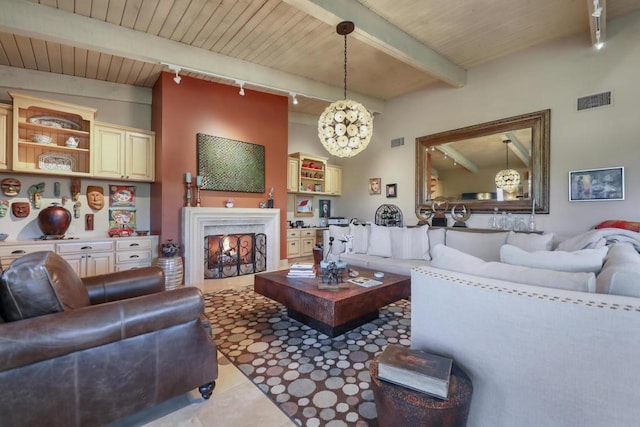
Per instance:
x=597, y=16
x=176, y=70
x=294, y=99
x=241, y=84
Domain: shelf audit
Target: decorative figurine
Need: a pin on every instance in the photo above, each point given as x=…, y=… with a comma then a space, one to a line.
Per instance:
x=35, y=195
x=76, y=210
x=270, y=199
x=20, y=209
x=56, y=189
x=10, y=187
x=460, y=213
x=88, y=222
x=76, y=186
x=95, y=197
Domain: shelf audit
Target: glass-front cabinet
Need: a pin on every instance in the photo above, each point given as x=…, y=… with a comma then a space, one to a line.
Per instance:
x=51, y=137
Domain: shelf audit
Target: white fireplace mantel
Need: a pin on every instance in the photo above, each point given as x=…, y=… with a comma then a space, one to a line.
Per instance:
x=195, y=221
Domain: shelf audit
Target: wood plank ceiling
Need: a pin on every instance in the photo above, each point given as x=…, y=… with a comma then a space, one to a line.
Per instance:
x=284, y=36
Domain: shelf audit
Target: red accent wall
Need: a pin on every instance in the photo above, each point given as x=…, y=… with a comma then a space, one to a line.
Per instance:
x=179, y=112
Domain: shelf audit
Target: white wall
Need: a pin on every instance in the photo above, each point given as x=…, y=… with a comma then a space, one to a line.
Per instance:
x=551, y=76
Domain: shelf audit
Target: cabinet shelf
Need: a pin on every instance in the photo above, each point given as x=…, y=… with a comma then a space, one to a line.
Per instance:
x=52, y=147
x=51, y=129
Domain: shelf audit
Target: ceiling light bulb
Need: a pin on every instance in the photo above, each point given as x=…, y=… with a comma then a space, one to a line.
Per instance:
x=295, y=99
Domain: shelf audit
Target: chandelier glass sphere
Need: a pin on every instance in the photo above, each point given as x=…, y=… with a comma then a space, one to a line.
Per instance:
x=507, y=179
x=345, y=127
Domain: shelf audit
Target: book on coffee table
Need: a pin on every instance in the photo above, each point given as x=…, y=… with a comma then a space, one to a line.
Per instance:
x=415, y=369
x=364, y=281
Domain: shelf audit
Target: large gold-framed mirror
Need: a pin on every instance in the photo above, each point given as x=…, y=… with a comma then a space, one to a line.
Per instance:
x=460, y=165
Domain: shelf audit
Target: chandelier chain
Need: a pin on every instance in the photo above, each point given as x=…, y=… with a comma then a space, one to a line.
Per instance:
x=345, y=66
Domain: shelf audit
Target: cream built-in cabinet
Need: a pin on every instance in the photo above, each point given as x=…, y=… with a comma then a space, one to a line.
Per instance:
x=333, y=181
x=123, y=153
x=300, y=242
x=88, y=258
x=41, y=129
x=5, y=135
x=310, y=174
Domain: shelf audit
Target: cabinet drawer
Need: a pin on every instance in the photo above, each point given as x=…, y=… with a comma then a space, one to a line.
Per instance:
x=293, y=248
x=307, y=233
x=132, y=265
x=129, y=256
x=134, y=244
x=69, y=248
x=293, y=234
x=19, y=250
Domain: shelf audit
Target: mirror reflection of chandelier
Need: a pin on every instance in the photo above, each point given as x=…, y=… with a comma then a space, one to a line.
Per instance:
x=345, y=127
x=507, y=179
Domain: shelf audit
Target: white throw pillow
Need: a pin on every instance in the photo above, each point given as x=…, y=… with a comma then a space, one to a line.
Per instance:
x=410, y=243
x=620, y=274
x=484, y=245
x=531, y=241
x=452, y=259
x=379, y=241
x=360, y=235
x=586, y=260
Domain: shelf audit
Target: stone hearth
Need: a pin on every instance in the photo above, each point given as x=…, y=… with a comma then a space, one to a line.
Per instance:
x=200, y=222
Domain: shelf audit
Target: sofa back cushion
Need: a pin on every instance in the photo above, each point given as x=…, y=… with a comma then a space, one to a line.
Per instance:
x=531, y=241
x=484, y=245
x=620, y=274
x=360, y=234
x=410, y=243
x=587, y=260
x=40, y=283
x=452, y=259
x=379, y=241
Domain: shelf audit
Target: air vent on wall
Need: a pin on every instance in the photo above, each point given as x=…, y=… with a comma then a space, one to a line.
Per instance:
x=397, y=142
x=594, y=101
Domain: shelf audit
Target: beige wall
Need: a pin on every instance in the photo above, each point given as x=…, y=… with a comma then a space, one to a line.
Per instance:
x=550, y=76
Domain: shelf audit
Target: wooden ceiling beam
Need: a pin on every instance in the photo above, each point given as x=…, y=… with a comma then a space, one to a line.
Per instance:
x=45, y=23
x=382, y=35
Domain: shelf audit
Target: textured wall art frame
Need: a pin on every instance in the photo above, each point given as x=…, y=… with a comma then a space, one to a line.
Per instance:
x=230, y=165
x=596, y=184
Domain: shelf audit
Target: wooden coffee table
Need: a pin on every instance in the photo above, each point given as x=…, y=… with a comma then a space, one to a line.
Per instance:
x=332, y=311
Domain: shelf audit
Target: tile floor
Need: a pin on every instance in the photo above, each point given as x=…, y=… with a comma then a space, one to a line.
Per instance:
x=235, y=402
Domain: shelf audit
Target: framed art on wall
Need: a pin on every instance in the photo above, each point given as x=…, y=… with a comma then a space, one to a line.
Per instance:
x=324, y=208
x=304, y=205
x=374, y=185
x=596, y=184
x=392, y=190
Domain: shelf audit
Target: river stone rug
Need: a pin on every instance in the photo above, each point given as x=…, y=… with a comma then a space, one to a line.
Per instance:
x=316, y=380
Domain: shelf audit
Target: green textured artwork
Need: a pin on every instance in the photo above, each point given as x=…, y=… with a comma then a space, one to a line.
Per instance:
x=229, y=165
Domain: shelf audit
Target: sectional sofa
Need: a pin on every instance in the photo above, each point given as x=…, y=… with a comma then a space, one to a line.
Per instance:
x=552, y=347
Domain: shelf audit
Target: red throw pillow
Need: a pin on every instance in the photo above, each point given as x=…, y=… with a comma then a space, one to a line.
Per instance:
x=617, y=223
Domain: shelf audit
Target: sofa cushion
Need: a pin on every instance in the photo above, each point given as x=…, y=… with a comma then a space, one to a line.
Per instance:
x=531, y=241
x=410, y=243
x=484, y=245
x=360, y=234
x=437, y=236
x=379, y=241
x=40, y=283
x=620, y=273
x=587, y=260
x=452, y=259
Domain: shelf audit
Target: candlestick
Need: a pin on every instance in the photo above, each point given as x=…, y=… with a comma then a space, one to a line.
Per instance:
x=199, y=180
x=198, y=185
x=187, y=178
x=188, y=202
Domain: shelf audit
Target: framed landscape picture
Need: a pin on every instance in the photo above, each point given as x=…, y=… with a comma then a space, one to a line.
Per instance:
x=596, y=184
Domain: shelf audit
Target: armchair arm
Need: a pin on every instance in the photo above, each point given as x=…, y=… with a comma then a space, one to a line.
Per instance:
x=39, y=338
x=124, y=284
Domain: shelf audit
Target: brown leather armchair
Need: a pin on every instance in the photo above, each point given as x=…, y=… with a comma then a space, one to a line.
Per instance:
x=85, y=352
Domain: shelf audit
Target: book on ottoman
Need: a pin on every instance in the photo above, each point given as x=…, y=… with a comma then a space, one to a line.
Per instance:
x=415, y=369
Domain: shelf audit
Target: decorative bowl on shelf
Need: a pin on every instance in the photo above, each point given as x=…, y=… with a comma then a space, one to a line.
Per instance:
x=142, y=232
x=41, y=139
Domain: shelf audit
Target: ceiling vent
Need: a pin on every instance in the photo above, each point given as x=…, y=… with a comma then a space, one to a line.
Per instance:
x=397, y=142
x=594, y=101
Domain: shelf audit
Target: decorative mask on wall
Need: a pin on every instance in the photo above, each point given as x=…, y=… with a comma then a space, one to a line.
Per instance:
x=76, y=186
x=4, y=207
x=35, y=195
x=10, y=187
x=20, y=209
x=95, y=197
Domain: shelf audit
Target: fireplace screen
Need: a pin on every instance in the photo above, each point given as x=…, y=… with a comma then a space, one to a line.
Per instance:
x=228, y=255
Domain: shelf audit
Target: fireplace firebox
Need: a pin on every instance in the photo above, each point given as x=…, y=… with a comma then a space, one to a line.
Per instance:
x=229, y=255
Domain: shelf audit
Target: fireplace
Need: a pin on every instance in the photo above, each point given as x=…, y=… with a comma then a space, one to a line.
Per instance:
x=198, y=222
x=228, y=255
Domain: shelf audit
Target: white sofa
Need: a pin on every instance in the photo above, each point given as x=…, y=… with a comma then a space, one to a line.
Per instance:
x=542, y=347
x=537, y=356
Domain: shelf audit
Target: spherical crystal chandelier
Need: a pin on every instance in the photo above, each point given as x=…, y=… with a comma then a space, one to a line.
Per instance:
x=507, y=179
x=345, y=127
